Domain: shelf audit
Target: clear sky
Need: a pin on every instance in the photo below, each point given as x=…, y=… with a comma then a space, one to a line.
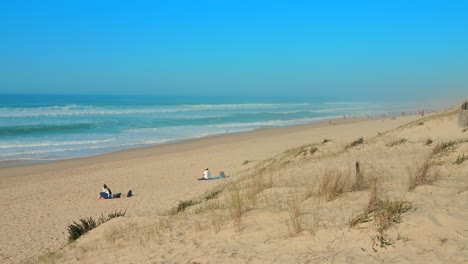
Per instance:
x=234, y=48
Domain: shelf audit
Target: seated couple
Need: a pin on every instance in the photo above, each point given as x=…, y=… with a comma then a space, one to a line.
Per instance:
x=107, y=193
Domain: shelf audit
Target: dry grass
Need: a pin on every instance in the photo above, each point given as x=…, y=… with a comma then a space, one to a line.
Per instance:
x=305, y=150
x=332, y=184
x=235, y=203
x=460, y=159
x=444, y=148
x=384, y=214
x=355, y=143
x=295, y=215
x=397, y=142
x=418, y=175
x=184, y=205
x=47, y=258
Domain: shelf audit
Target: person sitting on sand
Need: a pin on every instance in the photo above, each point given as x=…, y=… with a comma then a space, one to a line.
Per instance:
x=106, y=192
x=206, y=175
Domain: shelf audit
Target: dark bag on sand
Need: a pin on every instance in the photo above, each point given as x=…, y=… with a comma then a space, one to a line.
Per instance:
x=116, y=195
x=129, y=194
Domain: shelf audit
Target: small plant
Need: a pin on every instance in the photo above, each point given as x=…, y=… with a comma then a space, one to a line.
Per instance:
x=464, y=130
x=326, y=141
x=184, y=205
x=384, y=213
x=213, y=194
x=442, y=240
x=444, y=148
x=418, y=175
x=332, y=185
x=428, y=142
x=306, y=150
x=246, y=162
x=313, y=150
x=355, y=143
x=461, y=159
x=296, y=215
x=236, y=205
x=84, y=225
x=397, y=142
x=49, y=257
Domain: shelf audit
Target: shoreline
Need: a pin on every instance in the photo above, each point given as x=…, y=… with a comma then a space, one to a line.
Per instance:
x=20, y=168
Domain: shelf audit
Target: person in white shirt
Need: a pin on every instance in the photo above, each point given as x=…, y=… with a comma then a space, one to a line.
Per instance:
x=206, y=175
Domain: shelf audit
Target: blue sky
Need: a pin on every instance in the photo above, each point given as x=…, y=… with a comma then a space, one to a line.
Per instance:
x=234, y=48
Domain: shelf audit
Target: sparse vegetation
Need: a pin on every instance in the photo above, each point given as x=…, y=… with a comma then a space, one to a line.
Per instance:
x=49, y=258
x=84, y=225
x=326, y=141
x=383, y=213
x=246, y=162
x=444, y=148
x=460, y=159
x=332, y=184
x=213, y=194
x=355, y=143
x=236, y=205
x=442, y=240
x=306, y=150
x=420, y=123
x=397, y=142
x=418, y=175
x=296, y=215
x=428, y=142
x=184, y=205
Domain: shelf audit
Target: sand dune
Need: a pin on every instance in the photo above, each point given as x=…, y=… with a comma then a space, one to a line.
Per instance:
x=276, y=206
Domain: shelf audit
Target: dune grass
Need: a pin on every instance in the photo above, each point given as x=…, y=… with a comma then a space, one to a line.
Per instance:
x=383, y=213
x=77, y=229
x=397, y=142
x=355, y=143
x=460, y=159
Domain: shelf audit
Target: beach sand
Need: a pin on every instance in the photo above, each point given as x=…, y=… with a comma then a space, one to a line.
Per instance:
x=39, y=201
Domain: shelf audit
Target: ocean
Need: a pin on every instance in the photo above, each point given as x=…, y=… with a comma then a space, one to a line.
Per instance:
x=35, y=128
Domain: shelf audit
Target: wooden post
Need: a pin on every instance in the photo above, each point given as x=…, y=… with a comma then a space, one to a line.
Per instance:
x=463, y=115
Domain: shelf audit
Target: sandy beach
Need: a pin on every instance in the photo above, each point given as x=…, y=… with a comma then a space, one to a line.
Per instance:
x=39, y=201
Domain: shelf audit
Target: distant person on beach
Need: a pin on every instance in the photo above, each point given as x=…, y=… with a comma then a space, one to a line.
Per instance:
x=206, y=175
x=106, y=192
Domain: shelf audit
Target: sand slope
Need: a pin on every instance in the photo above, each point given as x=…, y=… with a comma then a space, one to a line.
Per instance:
x=284, y=218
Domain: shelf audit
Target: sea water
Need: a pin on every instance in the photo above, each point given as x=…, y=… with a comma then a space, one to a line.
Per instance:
x=52, y=127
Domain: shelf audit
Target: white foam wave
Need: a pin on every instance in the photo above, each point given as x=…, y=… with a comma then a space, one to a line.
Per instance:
x=48, y=151
x=75, y=110
x=55, y=144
